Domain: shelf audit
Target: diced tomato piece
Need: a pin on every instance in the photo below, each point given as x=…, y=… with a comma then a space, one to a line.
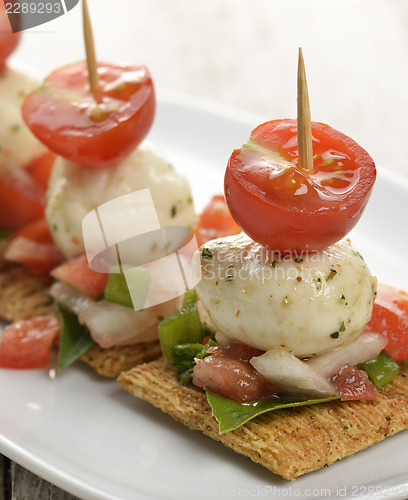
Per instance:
x=37, y=231
x=215, y=221
x=40, y=168
x=229, y=373
x=33, y=247
x=22, y=192
x=354, y=385
x=390, y=318
x=21, y=199
x=77, y=273
x=26, y=344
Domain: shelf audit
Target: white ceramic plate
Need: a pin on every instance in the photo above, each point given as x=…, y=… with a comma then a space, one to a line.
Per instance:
x=91, y=438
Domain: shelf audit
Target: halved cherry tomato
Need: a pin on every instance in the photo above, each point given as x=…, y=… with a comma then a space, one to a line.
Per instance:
x=26, y=344
x=8, y=39
x=67, y=118
x=286, y=208
x=33, y=247
x=215, y=221
x=390, y=318
x=77, y=273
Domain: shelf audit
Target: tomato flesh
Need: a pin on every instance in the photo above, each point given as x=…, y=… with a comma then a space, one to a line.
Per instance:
x=8, y=39
x=354, y=385
x=33, y=247
x=285, y=208
x=215, y=221
x=229, y=373
x=26, y=344
x=92, y=130
x=390, y=318
x=40, y=168
x=21, y=199
x=22, y=192
x=77, y=273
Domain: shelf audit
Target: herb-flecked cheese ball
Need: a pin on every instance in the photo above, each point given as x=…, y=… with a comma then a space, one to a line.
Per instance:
x=308, y=304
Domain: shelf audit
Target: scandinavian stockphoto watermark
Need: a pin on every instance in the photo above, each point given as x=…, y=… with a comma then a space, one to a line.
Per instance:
x=25, y=14
x=124, y=235
x=227, y=261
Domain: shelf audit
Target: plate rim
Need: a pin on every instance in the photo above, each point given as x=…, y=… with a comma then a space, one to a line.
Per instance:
x=41, y=467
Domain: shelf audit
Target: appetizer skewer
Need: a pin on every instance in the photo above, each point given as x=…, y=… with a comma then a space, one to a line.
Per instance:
x=97, y=133
x=309, y=201
x=291, y=306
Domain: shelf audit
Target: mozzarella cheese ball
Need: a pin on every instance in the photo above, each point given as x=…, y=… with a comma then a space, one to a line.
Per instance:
x=308, y=304
x=75, y=190
x=18, y=146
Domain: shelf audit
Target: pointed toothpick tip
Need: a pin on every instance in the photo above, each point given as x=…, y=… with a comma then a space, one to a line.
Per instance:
x=90, y=51
x=304, y=123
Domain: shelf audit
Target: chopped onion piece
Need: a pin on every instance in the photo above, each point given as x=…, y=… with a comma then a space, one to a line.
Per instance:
x=69, y=297
x=367, y=346
x=39, y=257
x=292, y=374
x=112, y=324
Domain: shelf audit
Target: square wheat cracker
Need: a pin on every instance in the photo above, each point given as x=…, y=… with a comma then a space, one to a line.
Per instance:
x=289, y=442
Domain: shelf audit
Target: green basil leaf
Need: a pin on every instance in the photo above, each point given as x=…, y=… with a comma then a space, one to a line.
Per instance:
x=4, y=234
x=185, y=356
x=208, y=331
x=181, y=327
x=232, y=414
x=75, y=339
x=404, y=364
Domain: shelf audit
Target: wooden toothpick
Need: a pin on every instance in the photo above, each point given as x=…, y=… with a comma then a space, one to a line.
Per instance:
x=304, y=126
x=90, y=51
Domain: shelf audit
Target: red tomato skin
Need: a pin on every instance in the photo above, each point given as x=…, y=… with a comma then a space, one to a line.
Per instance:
x=284, y=226
x=37, y=231
x=21, y=199
x=40, y=168
x=22, y=192
x=8, y=39
x=26, y=344
x=77, y=273
x=215, y=221
x=390, y=318
x=81, y=139
x=33, y=247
